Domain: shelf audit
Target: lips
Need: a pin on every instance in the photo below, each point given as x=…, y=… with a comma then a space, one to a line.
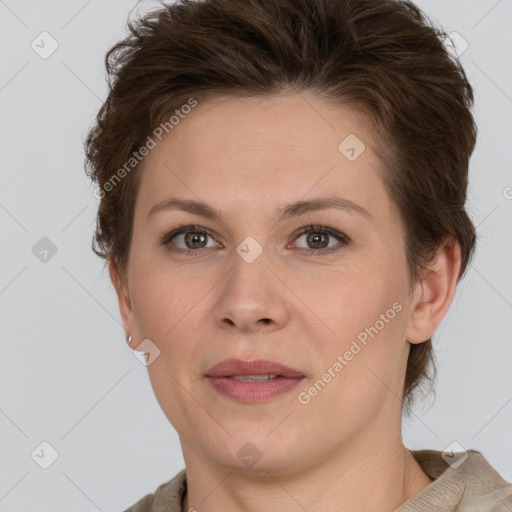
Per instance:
x=243, y=381
x=237, y=367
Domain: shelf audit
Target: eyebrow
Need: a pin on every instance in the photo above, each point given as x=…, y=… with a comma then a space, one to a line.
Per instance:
x=292, y=210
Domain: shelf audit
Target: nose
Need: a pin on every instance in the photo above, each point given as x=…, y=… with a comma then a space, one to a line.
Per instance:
x=252, y=297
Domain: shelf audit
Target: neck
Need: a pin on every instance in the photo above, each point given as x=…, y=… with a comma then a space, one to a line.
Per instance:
x=350, y=479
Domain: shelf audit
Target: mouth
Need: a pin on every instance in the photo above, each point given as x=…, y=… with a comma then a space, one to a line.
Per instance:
x=255, y=378
x=253, y=368
x=253, y=381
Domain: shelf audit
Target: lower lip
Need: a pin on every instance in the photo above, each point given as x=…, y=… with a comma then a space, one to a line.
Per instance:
x=254, y=391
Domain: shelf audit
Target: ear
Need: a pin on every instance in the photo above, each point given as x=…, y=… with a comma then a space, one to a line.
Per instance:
x=125, y=305
x=434, y=292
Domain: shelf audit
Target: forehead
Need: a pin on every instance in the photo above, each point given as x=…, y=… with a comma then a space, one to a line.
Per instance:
x=291, y=127
x=262, y=150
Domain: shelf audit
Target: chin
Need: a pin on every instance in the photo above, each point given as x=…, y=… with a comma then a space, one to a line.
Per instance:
x=258, y=453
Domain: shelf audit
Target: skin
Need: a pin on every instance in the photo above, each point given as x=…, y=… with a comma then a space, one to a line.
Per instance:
x=248, y=158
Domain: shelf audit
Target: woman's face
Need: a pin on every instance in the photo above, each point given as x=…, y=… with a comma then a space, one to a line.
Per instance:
x=251, y=285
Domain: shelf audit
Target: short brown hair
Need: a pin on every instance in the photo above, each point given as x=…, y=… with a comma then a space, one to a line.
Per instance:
x=382, y=56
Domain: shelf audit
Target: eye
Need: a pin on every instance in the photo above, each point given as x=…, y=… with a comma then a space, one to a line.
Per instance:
x=318, y=237
x=193, y=238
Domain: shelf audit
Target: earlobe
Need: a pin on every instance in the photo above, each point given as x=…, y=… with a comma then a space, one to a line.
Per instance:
x=123, y=297
x=434, y=292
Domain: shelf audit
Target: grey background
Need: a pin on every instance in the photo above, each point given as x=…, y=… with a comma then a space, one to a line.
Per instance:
x=67, y=375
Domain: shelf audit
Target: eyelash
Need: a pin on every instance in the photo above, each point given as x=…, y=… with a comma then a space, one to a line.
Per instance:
x=344, y=239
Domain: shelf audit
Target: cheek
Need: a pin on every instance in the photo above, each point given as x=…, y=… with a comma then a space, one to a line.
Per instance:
x=351, y=299
x=170, y=309
x=366, y=315
x=163, y=304
x=160, y=303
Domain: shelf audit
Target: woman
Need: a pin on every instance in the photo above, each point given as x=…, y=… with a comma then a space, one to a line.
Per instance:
x=283, y=187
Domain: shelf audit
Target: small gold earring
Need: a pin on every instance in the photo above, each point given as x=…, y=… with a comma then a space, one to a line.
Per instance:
x=129, y=340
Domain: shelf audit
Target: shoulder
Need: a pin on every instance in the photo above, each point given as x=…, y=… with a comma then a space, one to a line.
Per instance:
x=467, y=482
x=166, y=498
x=486, y=490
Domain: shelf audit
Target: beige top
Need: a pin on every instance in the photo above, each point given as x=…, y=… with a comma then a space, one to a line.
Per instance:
x=473, y=486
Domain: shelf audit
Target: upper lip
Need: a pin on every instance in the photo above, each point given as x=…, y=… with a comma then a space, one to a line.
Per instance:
x=237, y=367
